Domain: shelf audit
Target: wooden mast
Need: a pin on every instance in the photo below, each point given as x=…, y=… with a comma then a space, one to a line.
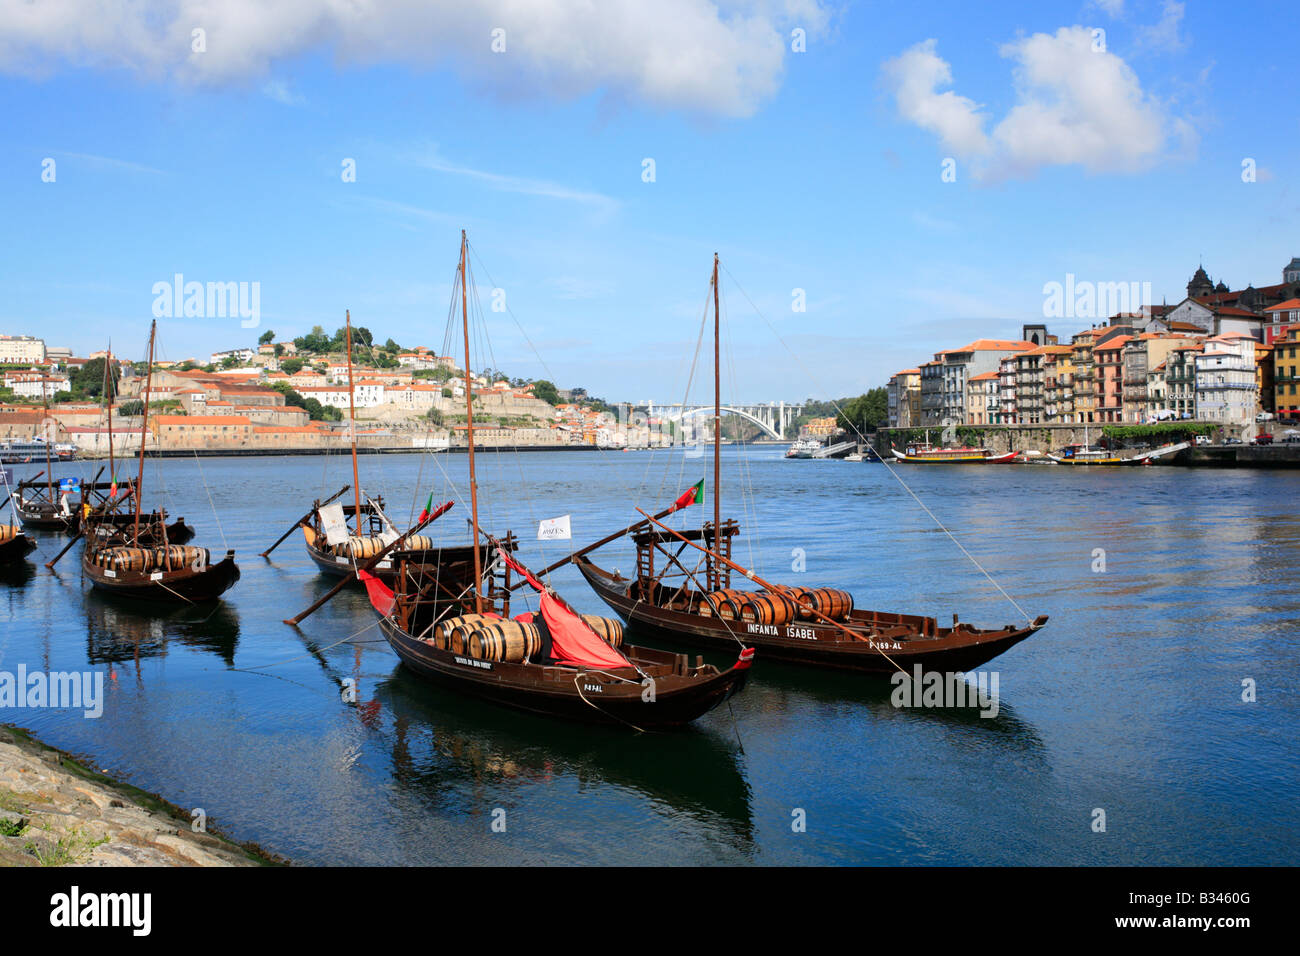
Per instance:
x=108, y=395
x=49, y=469
x=715, y=570
x=469, y=427
x=352, y=423
x=144, y=425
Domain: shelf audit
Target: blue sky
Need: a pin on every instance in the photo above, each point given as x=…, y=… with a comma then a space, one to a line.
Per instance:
x=816, y=170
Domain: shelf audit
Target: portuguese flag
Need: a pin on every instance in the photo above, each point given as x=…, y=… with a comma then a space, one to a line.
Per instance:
x=428, y=509
x=694, y=495
x=112, y=490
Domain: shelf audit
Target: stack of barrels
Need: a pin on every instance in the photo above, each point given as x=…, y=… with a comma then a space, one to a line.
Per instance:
x=496, y=639
x=418, y=542
x=775, y=607
x=360, y=548
x=173, y=558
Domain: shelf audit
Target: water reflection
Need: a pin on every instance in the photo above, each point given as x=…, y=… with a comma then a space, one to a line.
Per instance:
x=442, y=746
x=118, y=630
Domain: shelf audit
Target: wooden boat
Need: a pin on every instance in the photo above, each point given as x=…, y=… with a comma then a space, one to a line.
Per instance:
x=454, y=565
x=155, y=527
x=927, y=455
x=338, y=537
x=818, y=626
x=1082, y=455
x=14, y=545
x=137, y=560
x=551, y=663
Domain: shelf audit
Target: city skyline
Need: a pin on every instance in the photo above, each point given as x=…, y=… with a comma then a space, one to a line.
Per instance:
x=822, y=171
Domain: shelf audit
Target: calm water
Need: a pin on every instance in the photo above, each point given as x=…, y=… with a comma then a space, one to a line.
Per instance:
x=1130, y=699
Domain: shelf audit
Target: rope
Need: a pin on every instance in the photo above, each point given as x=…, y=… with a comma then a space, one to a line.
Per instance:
x=327, y=647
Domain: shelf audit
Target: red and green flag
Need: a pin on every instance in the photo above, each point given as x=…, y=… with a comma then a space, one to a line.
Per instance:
x=428, y=508
x=112, y=489
x=694, y=495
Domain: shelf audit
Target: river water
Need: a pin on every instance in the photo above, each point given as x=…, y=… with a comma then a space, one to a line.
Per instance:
x=1170, y=592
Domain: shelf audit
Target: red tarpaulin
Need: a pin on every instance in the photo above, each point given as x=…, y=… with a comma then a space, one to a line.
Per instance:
x=573, y=642
x=381, y=596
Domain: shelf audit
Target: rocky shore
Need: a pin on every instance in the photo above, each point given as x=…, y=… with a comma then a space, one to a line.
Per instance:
x=56, y=812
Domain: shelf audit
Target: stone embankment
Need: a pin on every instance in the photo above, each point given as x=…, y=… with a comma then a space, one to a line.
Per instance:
x=56, y=812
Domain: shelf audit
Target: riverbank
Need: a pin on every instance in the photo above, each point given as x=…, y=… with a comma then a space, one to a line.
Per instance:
x=54, y=811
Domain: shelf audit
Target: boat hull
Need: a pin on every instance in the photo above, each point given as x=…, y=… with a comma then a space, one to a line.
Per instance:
x=817, y=644
x=1003, y=459
x=571, y=694
x=14, y=550
x=180, y=586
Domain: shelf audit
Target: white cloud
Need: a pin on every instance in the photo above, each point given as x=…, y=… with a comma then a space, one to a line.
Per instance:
x=1074, y=106
x=713, y=56
x=913, y=77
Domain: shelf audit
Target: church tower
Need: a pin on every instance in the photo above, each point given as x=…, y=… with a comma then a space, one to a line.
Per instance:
x=1200, y=285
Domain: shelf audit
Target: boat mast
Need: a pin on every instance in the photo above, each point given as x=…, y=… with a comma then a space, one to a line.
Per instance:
x=144, y=424
x=469, y=427
x=108, y=397
x=715, y=572
x=352, y=423
x=49, y=473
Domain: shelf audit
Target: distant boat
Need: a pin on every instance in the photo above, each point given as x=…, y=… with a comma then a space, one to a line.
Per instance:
x=1079, y=454
x=803, y=448
x=926, y=455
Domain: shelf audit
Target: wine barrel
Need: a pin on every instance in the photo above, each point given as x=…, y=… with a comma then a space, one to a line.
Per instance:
x=418, y=542
x=177, y=556
x=123, y=559
x=7, y=532
x=832, y=602
x=359, y=548
x=444, y=629
x=726, y=601
x=610, y=630
x=768, y=608
x=504, y=641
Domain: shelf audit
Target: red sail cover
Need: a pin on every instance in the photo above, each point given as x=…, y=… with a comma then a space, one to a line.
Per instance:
x=573, y=642
x=381, y=596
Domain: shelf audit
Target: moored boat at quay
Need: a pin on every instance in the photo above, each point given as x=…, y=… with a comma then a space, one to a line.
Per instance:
x=1084, y=455
x=927, y=455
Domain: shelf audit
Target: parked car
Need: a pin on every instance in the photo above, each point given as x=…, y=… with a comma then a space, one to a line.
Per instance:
x=1203, y=440
x=1232, y=441
x=1263, y=438
x=1264, y=417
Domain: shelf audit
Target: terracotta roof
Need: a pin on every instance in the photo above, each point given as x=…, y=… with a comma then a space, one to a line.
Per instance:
x=992, y=345
x=984, y=376
x=1286, y=306
x=1116, y=343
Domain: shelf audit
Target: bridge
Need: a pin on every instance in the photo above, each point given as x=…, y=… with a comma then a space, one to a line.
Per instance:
x=772, y=417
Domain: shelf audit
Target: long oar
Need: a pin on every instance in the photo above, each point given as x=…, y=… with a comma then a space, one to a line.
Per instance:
x=294, y=527
x=601, y=543
x=66, y=548
x=778, y=588
x=347, y=578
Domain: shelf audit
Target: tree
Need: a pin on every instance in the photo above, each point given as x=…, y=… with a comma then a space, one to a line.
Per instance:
x=314, y=341
x=435, y=417
x=362, y=334
x=230, y=361
x=88, y=381
x=291, y=365
x=391, y=346
x=279, y=349
x=266, y=338
x=546, y=391
x=864, y=412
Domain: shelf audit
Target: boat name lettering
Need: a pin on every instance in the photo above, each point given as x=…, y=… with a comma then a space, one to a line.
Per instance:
x=768, y=629
x=594, y=687
x=805, y=633
x=470, y=662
